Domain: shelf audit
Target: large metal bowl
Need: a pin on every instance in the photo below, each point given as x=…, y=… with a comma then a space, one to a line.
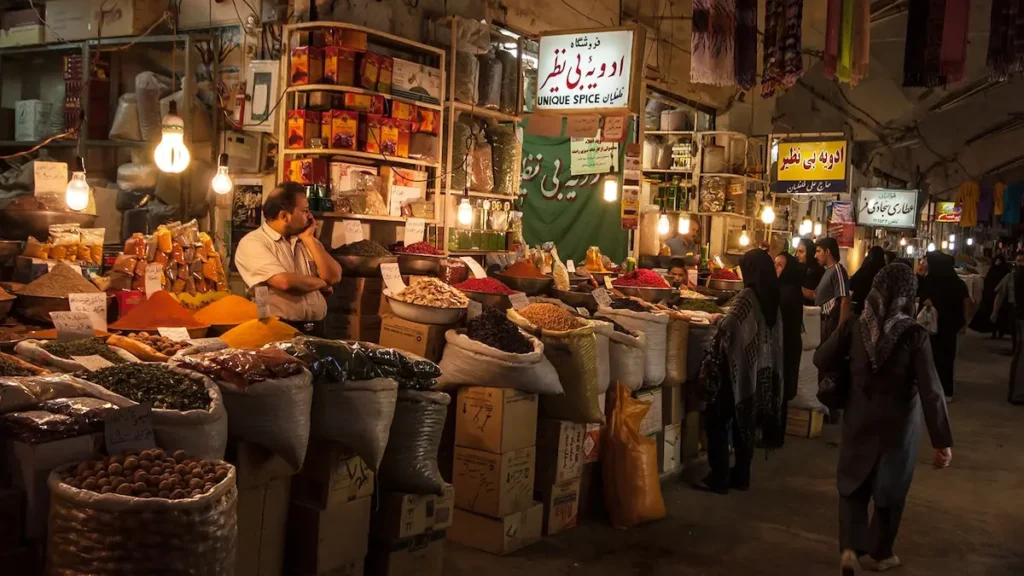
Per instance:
x=8, y=250
x=363, y=266
x=419, y=264
x=720, y=296
x=719, y=284
x=489, y=300
x=424, y=314
x=530, y=286
x=652, y=295
x=20, y=224
x=577, y=299
x=38, y=308
x=5, y=307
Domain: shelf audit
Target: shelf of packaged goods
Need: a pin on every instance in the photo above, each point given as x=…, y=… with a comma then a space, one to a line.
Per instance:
x=726, y=214
x=489, y=195
x=369, y=217
x=355, y=90
x=358, y=154
x=72, y=142
x=667, y=171
x=62, y=46
x=484, y=112
x=668, y=133
x=374, y=36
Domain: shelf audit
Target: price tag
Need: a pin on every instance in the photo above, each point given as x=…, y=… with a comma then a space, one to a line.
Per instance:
x=475, y=267
x=602, y=297
x=518, y=300
x=50, y=264
x=353, y=230
x=262, y=294
x=583, y=312
x=176, y=334
x=154, y=278
x=475, y=309
x=72, y=325
x=392, y=277
x=129, y=428
x=608, y=282
x=570, y=266
x=92, y=362
x=691, y=277
x=414, y=229
x=95, y=305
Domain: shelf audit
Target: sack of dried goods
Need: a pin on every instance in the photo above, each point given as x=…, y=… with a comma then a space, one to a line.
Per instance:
x=410, y=461
x=654, y=325
x=60, y=354
x=153, y=512
x=571, y=346
x=632, y=488
x=602, y=330
x=493, y=350
x=627, y=354
x=188, y=409
x=268, y=395
x=677, y=341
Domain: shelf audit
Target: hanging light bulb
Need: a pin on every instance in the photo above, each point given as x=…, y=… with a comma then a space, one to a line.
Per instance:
x=611, y=188
x=465, y=212
x=806, y=225
x=684, y=223
x=952, y=246
x=945, y=245
x=222, y=183
x=952, y=238
x=817, y=228
x=970, y=241
x=744, y=239
x=910, y=250
x=663, y=225
x=171, y=155
x=768, y=214
x=931, y=246
x=76, y=195
x=903, y=241
x=795, y=242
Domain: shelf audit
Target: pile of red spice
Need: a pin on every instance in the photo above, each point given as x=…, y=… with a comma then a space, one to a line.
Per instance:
x=421, y=248
x=723, y=274
x=523, y=269
x=487, y=285
x=641, y=278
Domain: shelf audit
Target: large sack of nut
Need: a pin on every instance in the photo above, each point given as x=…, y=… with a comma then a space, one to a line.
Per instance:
x=627, y=354
x=603, y=330
x=467, y=362
x=410, y=460
x=95, y=534
x=655, y=328
x=573, y=353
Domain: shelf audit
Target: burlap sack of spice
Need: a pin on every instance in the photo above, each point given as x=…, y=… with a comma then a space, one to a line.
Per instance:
x=467, y=362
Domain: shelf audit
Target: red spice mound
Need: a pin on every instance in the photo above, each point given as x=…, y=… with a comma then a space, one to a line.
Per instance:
x=723, y=274
x=488, y=285
x=523, y=269
x=641, y=278
x=421, y=248
x=160, y=310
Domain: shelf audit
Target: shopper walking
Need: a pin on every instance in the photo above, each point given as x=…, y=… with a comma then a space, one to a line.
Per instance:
x=891, y=371
x=742, y=375
x=982, y=321
x=812, y=270
x=833, y=292
x=944, y=290
x=860, y=282
x=791, y=276
x=1011, y=290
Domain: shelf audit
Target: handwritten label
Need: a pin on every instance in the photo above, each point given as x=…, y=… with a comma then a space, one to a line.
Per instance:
x=261, y=294
x=50, y=177
x=518, y=300
x=176, y=334
x=608, y=282
x=691, y=276
x=92, y=362
x=475, y=309
x=95, y=305
x=392, y=277
x=414, y=229
x=353, y=231
x=475, y=267
x=570, y=266
x=603, y=299
x=583, y=312
x=207, y=344
x=154, y=278
x=582, y=126
x=72, y=325
x=614, y=129
x=129, y=428
x=50, y=264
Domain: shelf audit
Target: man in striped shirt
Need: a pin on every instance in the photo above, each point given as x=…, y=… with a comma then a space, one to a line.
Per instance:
x=833, y=292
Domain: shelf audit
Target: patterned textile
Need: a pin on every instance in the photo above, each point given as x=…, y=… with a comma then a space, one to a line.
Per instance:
x=844, y=62
x=922, y=54
x=888, y=311
x=968, y=195
x=712, y=42
x=745, y=55
x=953, y=54
x=783, y=62
x=833, y=22
x=861, y=41
x=1006, y=38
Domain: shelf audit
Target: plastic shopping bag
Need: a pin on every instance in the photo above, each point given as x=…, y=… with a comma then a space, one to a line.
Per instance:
x=929, y=318
x=632, y=488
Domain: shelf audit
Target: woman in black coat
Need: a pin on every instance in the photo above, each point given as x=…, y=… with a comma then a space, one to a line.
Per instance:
x=791, y=299
x=982, y=321
x=860, y=282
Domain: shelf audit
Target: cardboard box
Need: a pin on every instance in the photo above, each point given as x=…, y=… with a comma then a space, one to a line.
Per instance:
x=493, y=484
x=497, y=420
x=18, y=18
x=332, y=541
x=426, y=340
x=592, y=443
x=671, y=447
x=331, y=476
x=306, y=66
x=359, y=296
x=343, y=175
x=561, y=505
x=804, y=423
x=31, y=120
x=559, y=450
x=79, y=19
x=671, y=405
x=353, y=327
x=421, y=555
x=416, y=81
x=400, y=515
x=498, y=535
x=12, y=502
x=652, y=421
x=26, y=35
x=255, y=466
x=262, y=517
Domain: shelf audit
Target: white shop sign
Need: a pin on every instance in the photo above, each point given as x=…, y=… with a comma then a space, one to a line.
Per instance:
x=887, y=208
x=586, y=70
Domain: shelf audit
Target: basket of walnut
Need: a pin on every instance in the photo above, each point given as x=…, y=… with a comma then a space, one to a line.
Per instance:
x=144, y=513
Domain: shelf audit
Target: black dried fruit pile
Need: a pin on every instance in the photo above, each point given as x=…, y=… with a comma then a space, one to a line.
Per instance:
x=494, y=329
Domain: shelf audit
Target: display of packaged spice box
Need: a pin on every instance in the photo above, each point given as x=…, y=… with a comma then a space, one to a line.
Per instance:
x=339, y=66
x=307, y=65
x=303, y=127
x=344, y=129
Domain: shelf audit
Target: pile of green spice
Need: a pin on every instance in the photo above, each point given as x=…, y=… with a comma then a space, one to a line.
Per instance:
x=494, y=329
x=82, y=347
x=8, y=368
x=362, y=248
x=156, y=383
x=699, y=305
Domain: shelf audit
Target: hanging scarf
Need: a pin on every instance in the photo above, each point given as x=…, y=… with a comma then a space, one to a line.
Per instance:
x=783, y=63
x=844, y=62
x=953, y=53
x=745, y=55
x=888, y=312
x=861, y=41
x=833, y=22
x=712, y=42
x=1006, y=38
x=924, y=43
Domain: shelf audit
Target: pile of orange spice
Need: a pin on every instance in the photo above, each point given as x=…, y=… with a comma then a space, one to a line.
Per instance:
x=161, y=310
x=230, y=310
x=523, y=269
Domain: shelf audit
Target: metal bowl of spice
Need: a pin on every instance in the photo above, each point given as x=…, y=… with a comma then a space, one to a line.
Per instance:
x=652, y=295
x=577, y=299
x=531, y=286
x=488, y=299
x=424, y=314
x=363, y=266
x=419, y=264
x=428, y=301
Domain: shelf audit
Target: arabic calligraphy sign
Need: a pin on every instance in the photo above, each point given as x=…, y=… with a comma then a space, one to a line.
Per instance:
x=947, y=212
x=811, y=167
x=886, y=208
x=586, y=70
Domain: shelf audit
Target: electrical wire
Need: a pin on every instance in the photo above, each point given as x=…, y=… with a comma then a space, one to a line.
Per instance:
x=38, y=146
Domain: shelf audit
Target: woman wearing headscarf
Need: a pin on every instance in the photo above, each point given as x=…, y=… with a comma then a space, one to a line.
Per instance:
x=892, y=373
x=944, y=290
x=982, y=321
x=860, y=282
x=743, y=389
x=791, y=306
x=813, y=270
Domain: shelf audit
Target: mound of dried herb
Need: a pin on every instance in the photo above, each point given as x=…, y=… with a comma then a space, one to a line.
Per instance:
x=8, y=368
x=362, y=248
x=157, y=383
x=82, y=347
x=699, y=305
x=494, y=329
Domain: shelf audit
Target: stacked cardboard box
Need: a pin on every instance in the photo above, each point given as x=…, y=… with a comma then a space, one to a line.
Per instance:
x=560, y=460
x=494, y=467
x=426, y=340
x=408, y=533
x=264, y=481
x=354, y=310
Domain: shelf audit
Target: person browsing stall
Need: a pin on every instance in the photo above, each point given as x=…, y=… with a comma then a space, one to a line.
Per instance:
x=284, y=255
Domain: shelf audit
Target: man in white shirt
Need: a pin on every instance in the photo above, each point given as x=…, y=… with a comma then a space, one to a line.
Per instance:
x=284, y=255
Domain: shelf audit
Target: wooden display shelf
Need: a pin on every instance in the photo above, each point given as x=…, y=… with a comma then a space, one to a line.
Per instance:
x=479, y=112
x=357, y=154
x=355, y=90
x=489, y=195
x=667, y=171
x=369, y=217
x=689, y=133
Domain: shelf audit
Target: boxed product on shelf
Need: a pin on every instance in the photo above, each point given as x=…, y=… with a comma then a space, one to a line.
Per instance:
x=379, y=135
x=386, y=65
x=26, y=35
x=353, y=39
x=332, y=541
x=561, y=502
x=262, y=521
x=404, y=135
x=318, y=100
x=325, y=128
x=400, y=515
x=559, y=450
x=428, y=121
x=417, y=81
x=79, y=19
x=369, y=70
x=426, y=340
x=306, y=171
x=404, y=111
x=498, y=535
x=31, y=120
x=339, y=66
x=491, y=484
x=421, y=555
x=307, y=65
x=331, y=475
x=368, y=103
x=343, y=175
x=303, y=127
x=344, y=129
x=496, y=420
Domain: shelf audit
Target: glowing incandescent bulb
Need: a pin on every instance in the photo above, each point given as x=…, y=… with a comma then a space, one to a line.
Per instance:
x=684, y=223
x=795, y=241
x=611, y=188
x=931, y=246
x=222, y=183
x=744, y=239
x=663, y=225
x=171, y=155
x=768, y=215
x=465, y=212
x=76, y=195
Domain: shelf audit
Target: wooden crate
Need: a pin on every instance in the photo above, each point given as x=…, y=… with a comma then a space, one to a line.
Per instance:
x=804, y=423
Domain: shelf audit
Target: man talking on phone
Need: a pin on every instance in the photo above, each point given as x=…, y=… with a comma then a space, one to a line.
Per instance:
x=284, y=255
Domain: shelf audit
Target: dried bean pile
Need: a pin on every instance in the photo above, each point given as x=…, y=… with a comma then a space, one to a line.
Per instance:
x=494, y=329
x=161, y=344
x=149, y=474
x=165, y=388
x=551, y=317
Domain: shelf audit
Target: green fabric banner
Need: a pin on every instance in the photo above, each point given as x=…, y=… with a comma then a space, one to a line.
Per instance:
x=567, y=210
